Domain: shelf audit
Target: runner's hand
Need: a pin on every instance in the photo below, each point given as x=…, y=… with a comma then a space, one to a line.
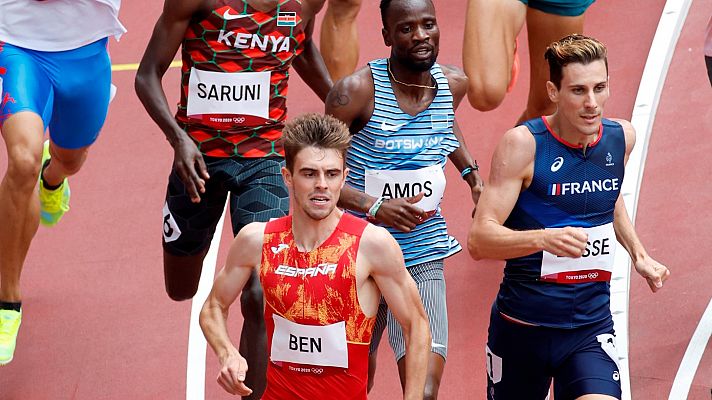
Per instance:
x=232, y=375
x=653, y=272
x=401, y=213
x=565, y=242
x=190, y=167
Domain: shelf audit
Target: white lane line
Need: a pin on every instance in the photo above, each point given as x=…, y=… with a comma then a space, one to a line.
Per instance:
x=195, y=378
x=691, y=360
x=646, y=105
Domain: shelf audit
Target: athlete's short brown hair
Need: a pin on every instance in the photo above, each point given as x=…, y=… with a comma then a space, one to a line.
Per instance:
x=573, y=49
x=315, y=130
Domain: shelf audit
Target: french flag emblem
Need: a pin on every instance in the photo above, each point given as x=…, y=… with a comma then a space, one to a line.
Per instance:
x=287, y=18
x=555, y=189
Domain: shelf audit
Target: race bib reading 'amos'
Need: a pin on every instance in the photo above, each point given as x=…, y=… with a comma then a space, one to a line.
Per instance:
x=396, y=184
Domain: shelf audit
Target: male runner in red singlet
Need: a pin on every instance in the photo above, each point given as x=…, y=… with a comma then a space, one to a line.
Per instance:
x=323, y=272
x=226, y=132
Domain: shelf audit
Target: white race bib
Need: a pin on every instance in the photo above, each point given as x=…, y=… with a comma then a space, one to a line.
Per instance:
x=393, y=184
x=237, y=93
x=309, y=344
x=596, y=264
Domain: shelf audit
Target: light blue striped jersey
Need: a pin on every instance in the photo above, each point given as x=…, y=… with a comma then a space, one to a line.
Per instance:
x=394, y=140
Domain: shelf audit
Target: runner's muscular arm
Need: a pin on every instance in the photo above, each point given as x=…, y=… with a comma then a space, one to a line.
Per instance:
x=245, y=255
x=165, y=40
x=511, y=172
x=352, y=102
x=384, y=259
x=309, y=64
x=653, y=272
x=461, y=158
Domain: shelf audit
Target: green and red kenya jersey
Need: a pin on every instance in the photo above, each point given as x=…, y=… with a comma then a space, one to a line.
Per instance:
x=234, y=78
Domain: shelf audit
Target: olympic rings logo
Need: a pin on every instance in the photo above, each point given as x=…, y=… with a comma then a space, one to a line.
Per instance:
x=317, y=371
x=593, y=275
x=238, y=120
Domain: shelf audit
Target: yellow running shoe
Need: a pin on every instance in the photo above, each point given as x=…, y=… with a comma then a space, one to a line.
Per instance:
x=9, y=326
x=53, y=203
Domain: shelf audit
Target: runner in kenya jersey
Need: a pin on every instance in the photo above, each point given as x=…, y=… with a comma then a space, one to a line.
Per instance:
x=239, y=118
x=227, y=129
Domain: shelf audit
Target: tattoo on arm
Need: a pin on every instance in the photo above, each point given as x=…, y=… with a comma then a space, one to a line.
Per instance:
x=340, y=99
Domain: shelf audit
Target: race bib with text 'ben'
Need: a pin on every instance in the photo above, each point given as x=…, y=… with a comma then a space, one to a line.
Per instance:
x=323, y=345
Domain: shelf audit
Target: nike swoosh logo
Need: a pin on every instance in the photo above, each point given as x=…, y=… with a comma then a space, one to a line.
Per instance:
x=229, y=17
x=391, y=128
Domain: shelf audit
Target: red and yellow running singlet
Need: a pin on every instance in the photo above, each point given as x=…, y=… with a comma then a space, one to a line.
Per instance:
x=234, y=78
x=317, y=335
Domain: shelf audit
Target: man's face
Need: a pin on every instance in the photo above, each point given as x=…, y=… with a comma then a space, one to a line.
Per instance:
x=316, y=182
x=412, y=32
x=583, y=93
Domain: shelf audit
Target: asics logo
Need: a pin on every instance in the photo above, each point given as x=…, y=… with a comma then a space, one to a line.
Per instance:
x=279, y=248
x=391, y=128
x=558, y=162
x=229, y=17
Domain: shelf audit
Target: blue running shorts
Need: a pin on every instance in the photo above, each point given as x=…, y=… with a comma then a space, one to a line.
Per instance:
x=68, y=89
x=565, y=8
x=522, y=360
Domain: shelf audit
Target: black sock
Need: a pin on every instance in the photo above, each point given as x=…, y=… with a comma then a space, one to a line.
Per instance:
x=10, y=306
x=44, y=182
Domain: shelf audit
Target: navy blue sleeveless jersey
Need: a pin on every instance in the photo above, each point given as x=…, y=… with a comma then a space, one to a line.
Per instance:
x=569, y=187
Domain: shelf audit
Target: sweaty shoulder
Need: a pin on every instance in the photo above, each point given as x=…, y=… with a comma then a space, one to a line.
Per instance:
x=251, y=237
x=519, y=138
x=378, y=249
x=457, y=80
x=351, y=98
x=514, y=156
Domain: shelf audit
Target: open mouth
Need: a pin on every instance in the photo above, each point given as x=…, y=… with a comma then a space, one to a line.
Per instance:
x=590, y=118
x=319, y=200
x=422, y=51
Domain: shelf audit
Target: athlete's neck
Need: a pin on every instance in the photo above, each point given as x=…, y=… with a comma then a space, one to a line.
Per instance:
x=409, y=80
x=310, y=233
x=568, y=132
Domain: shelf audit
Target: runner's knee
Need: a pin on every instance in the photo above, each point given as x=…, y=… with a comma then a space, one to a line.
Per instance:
x=485, y=95
x=180, y=292
x=23, y=168
x=432, y=386
x=70, y=164
x=181, y=275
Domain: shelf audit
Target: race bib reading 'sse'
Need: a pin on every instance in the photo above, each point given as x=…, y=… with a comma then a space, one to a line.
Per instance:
x=596, y=263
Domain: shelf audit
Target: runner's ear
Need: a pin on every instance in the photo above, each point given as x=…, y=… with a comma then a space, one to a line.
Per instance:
x=552, y=91
x=386, y=39
x=287, y=176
